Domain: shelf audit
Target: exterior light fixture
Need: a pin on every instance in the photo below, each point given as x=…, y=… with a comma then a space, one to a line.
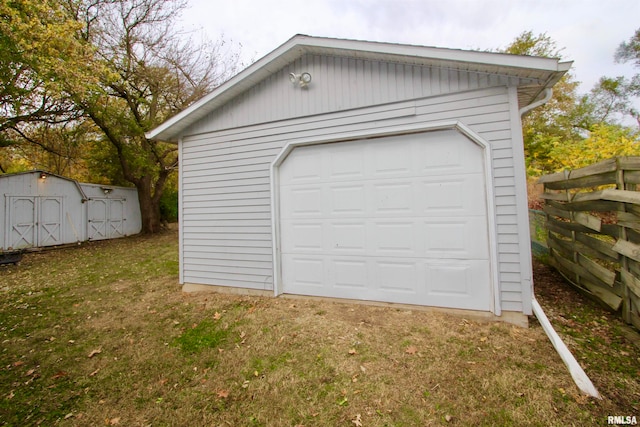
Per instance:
x=106, y=190
x=301, y=79
x=43, y=175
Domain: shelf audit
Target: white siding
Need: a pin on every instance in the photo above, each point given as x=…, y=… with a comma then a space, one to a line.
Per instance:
x=226, y=213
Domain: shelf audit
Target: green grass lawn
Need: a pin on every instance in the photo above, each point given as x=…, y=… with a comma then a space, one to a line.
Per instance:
x=101, y=334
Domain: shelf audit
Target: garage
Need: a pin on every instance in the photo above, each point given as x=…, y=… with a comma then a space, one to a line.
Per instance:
x=363, y=171
x=397, y=219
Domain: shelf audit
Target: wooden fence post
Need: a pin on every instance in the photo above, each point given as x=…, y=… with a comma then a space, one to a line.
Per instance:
x=624, y=264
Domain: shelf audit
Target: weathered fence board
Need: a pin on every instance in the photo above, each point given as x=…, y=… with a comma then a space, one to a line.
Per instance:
x=593, y=231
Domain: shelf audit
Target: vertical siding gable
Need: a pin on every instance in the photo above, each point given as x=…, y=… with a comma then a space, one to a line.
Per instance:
x=338, y=84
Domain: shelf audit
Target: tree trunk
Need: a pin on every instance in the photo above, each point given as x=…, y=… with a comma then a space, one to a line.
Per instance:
x=149, y=207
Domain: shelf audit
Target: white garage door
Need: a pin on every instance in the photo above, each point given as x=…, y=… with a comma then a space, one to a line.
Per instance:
x=397, y=219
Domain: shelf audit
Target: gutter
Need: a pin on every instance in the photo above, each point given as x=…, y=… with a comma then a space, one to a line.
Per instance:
x=580, y=378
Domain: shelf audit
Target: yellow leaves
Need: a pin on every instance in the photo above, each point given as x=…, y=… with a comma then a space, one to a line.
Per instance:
x=604, y=142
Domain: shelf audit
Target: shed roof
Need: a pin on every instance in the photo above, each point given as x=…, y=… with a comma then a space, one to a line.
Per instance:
x=544, y=72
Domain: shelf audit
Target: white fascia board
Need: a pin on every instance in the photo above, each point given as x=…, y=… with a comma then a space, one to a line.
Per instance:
x=432, y=53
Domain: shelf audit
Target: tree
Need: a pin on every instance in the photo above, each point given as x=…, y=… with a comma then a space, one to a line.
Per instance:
x=558, y=121
x=118, y=67
x=609, y=100
x=151, y=72
x=605, y=141
x=38, y=49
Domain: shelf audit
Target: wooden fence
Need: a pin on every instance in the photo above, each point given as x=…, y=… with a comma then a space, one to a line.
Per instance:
x=593, y=223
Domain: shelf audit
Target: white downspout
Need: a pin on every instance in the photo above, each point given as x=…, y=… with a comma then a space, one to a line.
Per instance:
x=548, y=93
x=577, y=373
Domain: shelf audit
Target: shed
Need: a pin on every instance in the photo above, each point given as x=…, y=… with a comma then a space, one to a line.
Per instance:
x=44, y=209
x=366, y=171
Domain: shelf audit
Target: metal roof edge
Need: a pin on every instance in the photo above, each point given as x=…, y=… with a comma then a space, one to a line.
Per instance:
x=42, y=171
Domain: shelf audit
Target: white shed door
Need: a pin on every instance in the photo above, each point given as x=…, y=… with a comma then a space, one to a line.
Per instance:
x=398, y=219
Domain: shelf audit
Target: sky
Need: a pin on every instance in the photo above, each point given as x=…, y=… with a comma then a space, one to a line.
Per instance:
x=587, y=31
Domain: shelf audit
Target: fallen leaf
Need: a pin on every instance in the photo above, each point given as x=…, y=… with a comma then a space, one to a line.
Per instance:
x=483, y=339
x=411, y=350
x=94, y=352
x=353, y=351
x=29, y=372
x=357, y=421
x=251, y=309
x=69, y=415
x=94, y=372
x=59, y=374
x=217, y=316
x=448, y=417
x=114, y=421
x=223, y=394
x=18, y=363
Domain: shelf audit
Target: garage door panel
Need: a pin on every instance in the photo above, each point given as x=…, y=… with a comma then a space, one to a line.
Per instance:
x=449, y=156
x=302, y=236
x=301, y=201
x=464, y=238
x=304, y=168
x=389, y=161
x=347, y=199
x=461, y=195
x=350, y=237
x=345, y=162
x=394, y=276
x=392, y=238
x=350, y=274
x=305, y=272
x=392, y=198
x=397, y=219
x=458, y=284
